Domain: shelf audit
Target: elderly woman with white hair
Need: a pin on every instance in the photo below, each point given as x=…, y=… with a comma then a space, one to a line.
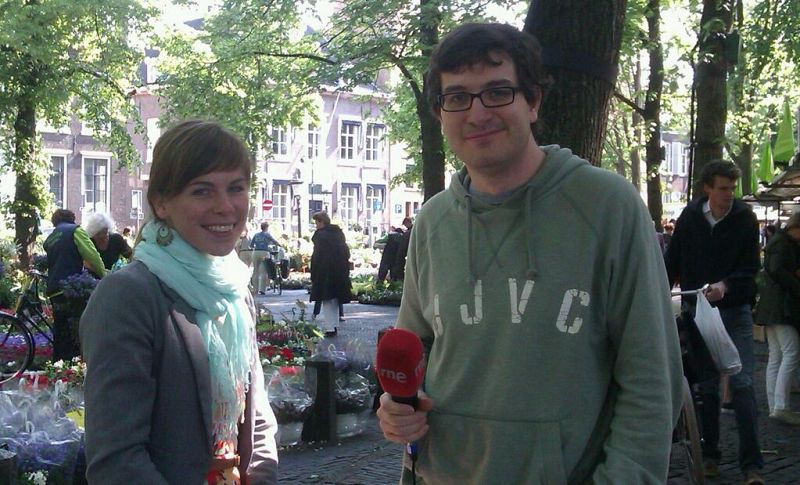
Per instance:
x=110, y=245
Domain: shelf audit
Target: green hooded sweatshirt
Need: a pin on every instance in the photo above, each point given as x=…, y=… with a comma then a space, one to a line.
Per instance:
x=552, y=350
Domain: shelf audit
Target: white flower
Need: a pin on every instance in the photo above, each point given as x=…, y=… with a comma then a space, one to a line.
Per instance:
x=38, y=477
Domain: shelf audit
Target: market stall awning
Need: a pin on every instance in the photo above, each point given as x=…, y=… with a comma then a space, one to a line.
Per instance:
x=784, y=187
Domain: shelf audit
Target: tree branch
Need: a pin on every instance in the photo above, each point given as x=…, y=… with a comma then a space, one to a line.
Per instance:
x=408, y=75
x=299, y=55
x=103, y=77
x=628, y=102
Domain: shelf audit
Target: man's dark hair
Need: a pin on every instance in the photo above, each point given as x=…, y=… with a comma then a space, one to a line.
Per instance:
x=62, y=215
x=472, y=44
x=719, y=168
x=264, y=226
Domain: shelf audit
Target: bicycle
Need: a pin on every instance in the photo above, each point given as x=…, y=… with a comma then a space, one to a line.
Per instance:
x=18, y=330
x=686, y=434
x=274, y=268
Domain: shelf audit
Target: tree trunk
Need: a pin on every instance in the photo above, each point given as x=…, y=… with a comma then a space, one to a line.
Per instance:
x=744, y=160
x=636, y=124
x=25, y=163
x=580, y=42
x=711, y=84
x=652, y=112
x=430, y=128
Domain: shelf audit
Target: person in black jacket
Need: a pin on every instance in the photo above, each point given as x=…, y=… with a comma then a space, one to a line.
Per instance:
x=330, y=267
x=715, y=242
x=389, y=262
x=402, y=251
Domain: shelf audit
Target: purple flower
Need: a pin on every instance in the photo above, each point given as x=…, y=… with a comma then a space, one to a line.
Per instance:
x=79, y=286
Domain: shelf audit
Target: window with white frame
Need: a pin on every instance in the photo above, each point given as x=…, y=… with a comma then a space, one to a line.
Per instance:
x=348, y=139
x=281, y=203
x=280, y=141
x=153, y=132
x=95, y=184
x=349, y=204
x=57, y=172
x=313, y=142
x=151, y=70
x=666, y=164
x=679, y=158
x=373, y=150
x=375, y=205
x=137, y=211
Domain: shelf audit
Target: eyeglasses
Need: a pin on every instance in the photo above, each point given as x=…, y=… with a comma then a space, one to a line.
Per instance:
x=490, y=98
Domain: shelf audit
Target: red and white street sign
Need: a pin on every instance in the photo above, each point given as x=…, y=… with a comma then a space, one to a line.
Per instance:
x=266, y=204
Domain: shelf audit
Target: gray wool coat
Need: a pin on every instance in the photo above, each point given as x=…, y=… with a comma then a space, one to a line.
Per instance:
x=148, y=391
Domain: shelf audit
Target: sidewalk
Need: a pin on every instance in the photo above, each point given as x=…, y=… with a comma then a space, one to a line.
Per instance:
x=370, y=460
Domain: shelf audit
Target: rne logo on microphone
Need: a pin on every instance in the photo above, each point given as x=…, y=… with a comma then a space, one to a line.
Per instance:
x=397, y=376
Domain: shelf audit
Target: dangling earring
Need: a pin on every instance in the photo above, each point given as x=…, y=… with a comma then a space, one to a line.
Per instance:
x=164, y=235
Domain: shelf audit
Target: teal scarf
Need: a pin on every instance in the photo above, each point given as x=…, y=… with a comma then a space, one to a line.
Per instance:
x=216, y=287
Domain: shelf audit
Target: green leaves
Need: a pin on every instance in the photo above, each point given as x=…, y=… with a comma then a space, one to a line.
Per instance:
x=249, y=67
x=59, y=58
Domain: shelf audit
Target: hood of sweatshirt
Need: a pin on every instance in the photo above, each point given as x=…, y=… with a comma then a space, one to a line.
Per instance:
x=557, y=165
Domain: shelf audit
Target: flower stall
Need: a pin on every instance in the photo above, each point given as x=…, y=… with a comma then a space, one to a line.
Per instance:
x=41, y=423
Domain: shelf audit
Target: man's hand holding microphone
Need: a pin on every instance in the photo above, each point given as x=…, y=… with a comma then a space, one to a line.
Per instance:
x=403, y=413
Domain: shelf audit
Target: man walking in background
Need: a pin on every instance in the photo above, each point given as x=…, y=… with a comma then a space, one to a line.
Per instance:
x=260, y=246
x=715, y=242
x=402, y=250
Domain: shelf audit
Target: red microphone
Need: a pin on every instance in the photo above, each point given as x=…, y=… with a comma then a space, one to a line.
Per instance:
x=400, y=365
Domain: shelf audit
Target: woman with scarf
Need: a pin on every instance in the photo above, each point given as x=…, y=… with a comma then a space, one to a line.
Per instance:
x=174, y=388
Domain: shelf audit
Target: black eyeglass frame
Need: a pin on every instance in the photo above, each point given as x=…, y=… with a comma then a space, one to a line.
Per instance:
x=479, y=95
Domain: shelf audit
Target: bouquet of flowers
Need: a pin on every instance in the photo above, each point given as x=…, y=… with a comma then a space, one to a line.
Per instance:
x=273, y=355
x=78, y=287
x=70, y=373
x=353, y=388
x=67, y=381
x=287, y=395
x=35, y=428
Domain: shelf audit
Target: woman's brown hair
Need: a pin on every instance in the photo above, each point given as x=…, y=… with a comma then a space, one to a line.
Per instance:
x=190, y=149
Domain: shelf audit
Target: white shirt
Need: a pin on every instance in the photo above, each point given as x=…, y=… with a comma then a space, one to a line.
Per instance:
x=710, y=217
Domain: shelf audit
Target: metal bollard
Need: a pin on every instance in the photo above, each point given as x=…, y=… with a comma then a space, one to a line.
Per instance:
x=321, y=425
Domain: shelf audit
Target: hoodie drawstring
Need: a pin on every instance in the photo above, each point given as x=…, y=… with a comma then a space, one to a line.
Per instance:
x=471, y=277
x=532, y=271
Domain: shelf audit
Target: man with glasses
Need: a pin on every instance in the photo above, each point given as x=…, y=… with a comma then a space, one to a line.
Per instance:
x=539, y=293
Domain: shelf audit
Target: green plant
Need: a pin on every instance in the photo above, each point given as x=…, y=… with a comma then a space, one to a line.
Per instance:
x=8, y=296
x=381, y=293
x=297, y=281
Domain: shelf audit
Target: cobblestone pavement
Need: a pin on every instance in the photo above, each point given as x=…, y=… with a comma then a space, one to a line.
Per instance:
x=370, y=460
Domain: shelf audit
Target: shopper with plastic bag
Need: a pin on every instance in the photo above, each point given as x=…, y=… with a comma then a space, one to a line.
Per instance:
x=715, y=243
x=720, y=346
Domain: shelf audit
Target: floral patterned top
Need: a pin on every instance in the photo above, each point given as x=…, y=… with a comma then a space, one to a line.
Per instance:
x=228, y=476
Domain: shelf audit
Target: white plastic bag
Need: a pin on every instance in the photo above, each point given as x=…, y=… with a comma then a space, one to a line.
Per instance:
x=720, y=346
